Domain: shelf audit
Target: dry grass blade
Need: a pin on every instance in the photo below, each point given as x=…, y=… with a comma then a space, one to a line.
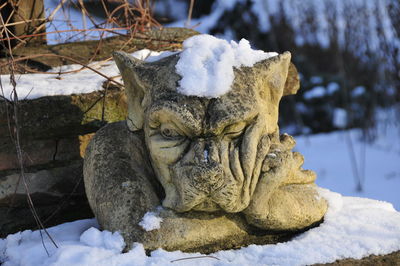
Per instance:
x=196, y=257
x=84, y=14
x=20, y=22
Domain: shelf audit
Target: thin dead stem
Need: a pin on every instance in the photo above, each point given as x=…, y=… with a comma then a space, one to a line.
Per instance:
x=190, y=11
x=19, y=151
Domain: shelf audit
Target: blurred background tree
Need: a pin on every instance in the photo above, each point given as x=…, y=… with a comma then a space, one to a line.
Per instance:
x=347, y=52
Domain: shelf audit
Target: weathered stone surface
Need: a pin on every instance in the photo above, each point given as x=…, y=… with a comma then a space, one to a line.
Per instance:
x=57, y=193
x=221, y=162
x=133, y=190
x=60, y=116
x=55, y=128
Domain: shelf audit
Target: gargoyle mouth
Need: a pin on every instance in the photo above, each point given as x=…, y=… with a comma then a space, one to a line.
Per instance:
x=196, y=184
x=206, y=177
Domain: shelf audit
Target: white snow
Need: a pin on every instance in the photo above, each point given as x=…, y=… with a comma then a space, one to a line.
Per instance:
x=68, y=18
x=332, y=87
x=93, y=237
x=377, y=163
x=316, y=80
x=316, y=92
x=177, y=10
x=353, y=228
x=31, y=86
x=151, y=221
x=205, y=156
x=358, y=91
x=339, y=118
x=206, y=64
x=206, y=23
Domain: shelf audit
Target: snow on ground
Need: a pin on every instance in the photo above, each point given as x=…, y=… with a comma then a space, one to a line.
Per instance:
x=211, y=62
x=31, y=86
x=353, y=227
x=377, y=163
x=339, y=118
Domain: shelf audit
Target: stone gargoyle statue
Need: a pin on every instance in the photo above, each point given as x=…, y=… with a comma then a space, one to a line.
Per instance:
x=219, y=167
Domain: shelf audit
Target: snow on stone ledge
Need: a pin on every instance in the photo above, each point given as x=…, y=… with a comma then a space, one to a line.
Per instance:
x=32, y=86
x=352, y=228
x=206, y=64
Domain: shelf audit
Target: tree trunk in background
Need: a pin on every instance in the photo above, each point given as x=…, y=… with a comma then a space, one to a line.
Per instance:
x=31, y=15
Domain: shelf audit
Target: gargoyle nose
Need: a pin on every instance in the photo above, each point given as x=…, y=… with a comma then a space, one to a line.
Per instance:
x=205, y=151
x=207, y=176
x=207, y=173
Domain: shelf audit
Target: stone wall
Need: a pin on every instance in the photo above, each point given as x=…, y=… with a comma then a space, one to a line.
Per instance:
x=54, y=133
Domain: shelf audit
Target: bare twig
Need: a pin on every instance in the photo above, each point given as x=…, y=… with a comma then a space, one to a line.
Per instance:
x=187, y=24
x=84, y=14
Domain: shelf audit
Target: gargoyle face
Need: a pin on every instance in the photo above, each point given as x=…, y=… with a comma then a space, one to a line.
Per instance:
x=207, y=153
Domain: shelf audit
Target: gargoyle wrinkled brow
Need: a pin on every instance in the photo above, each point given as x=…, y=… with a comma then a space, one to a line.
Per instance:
x=181, y=116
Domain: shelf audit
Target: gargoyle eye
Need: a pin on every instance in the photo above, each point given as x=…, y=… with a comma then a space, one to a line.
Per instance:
x=234, y=131
x=170, y=133
x=234, y=134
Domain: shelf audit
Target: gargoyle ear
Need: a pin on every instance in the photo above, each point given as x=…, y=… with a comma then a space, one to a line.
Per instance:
x=134, y=88
x=292, y=84
x=272, y=76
